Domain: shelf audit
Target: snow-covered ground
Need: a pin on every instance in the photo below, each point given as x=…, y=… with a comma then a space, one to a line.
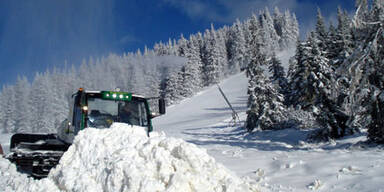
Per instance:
x=274, y=160
x=277, y=160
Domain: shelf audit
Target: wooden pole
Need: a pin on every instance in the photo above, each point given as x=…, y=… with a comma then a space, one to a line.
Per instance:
x=235, y=116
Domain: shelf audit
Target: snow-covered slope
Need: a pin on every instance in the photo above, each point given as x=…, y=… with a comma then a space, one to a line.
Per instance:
x=277, y=160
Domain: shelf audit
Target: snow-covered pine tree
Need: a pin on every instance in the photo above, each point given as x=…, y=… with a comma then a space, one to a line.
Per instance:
x=313, y=76
x=22, y=113
x=331, y=42
x=364, y=66
x=41, y=100
x=290, y=31
x=344, y=44
x=211, y=57
x=265, y=103
x=160, y=49
x=222, y=40
x=298, y=73
x=268, y=33
x=152, y=71
x=377, y=12
x=321, y=31
x=247, y=37
x=172, y=47
x=182, y=46
x=376, y=78
x=172, y=91
x=2, y=112
x=9, y=109
x=278, y=22
x=278, y=76
x=237, y=48
x=193, y=69
x=376, y=128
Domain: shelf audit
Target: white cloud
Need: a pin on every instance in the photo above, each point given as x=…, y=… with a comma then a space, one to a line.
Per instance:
x=227, y=10
x=129, y=38
x=195, y=9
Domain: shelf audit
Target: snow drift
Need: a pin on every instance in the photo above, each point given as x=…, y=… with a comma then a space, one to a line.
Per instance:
x=123, y=158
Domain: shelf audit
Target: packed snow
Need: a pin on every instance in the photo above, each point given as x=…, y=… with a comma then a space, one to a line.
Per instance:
x=124, y=158
x=280, y=160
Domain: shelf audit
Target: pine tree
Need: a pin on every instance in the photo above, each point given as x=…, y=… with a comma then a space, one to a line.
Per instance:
x=376, y=128
x=193, y=68
x=343, y=45
x=2, y=112
x=222, y=52
x=290, y=31
x=42, y=119
x=265, y=107
x=237, y=48
x=321, y=31
x=211, y=58
x=173, y=87
x=363, y=68
x=313, y=76
x=298, y=73
x=375, y=61
x=268, y=34
x=9, y=110
x=278, y=74
x=278, y=22
x=182, y=46
x=247, y=37
x=377, y=14
x=23, y=111
x=60, y=92
x=160, y=49
x=265, y=103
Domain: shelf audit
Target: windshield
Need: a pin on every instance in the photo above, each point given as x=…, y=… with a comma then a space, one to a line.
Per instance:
x=102, y=113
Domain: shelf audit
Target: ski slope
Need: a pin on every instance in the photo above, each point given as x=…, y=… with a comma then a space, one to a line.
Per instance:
x=276, y=160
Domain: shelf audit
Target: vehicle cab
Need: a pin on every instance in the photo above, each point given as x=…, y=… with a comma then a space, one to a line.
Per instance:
x=99, y=109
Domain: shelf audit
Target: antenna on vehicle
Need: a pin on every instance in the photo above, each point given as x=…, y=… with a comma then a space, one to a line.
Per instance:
x=235, y=116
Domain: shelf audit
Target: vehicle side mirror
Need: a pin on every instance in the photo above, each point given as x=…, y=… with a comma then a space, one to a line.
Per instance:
x=162, y=106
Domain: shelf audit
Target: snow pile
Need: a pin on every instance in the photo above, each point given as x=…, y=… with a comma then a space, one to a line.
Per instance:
x=123, y=158
x=11, y=180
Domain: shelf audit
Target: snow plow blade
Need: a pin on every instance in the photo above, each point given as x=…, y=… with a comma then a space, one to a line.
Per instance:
x=36, y=154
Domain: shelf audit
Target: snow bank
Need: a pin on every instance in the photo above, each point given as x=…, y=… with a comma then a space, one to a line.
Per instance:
x=11, y=180
x=123, y=158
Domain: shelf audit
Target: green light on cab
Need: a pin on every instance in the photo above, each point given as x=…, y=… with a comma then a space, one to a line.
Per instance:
x=112, y=95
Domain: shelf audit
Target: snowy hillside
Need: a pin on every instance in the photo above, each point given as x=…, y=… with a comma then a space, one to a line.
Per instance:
x=277, y=160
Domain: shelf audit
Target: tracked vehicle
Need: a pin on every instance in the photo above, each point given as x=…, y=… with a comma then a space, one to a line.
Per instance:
x=37, y=154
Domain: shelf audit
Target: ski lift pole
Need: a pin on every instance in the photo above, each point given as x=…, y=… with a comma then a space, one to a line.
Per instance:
x=235, y=116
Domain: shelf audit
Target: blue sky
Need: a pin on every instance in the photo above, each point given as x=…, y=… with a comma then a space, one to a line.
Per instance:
x=36, y=35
